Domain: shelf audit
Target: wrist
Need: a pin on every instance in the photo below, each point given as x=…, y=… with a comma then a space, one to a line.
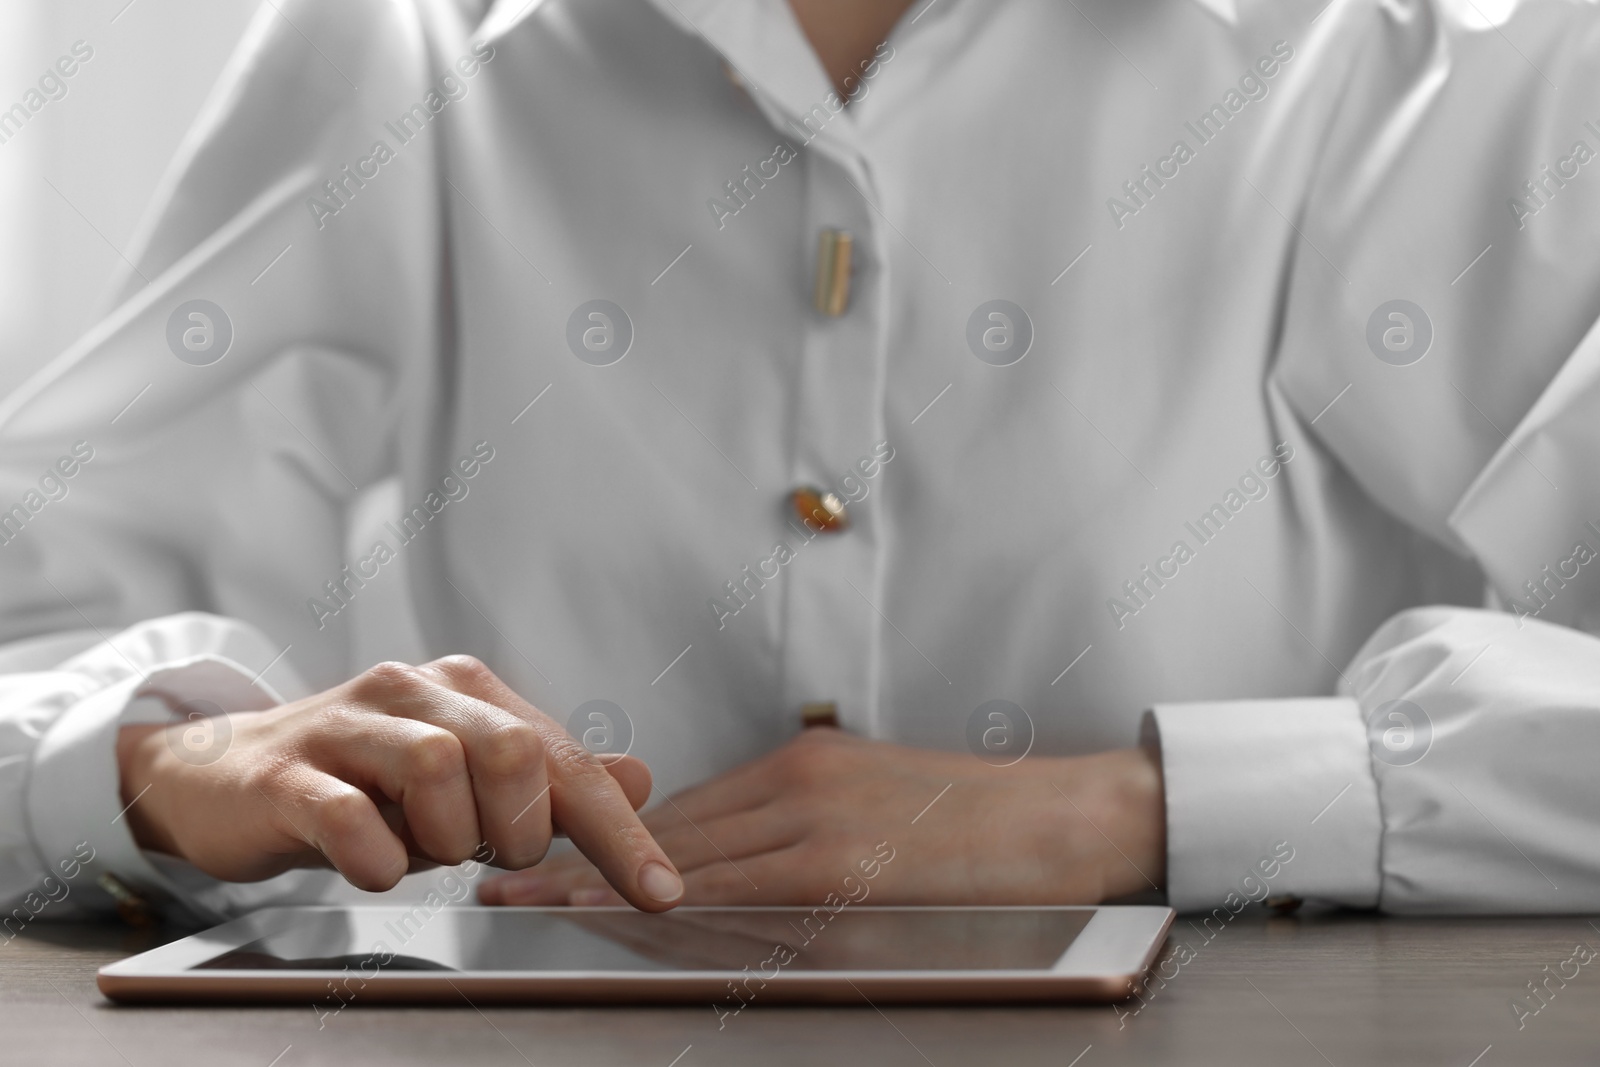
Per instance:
x=1117, y=811
x=1141, y=796
x=140, y=749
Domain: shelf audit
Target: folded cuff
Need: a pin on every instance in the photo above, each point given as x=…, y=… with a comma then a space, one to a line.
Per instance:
x=75, y=811
x=1267, y=798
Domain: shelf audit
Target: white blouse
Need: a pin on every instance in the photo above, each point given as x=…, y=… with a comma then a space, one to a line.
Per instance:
x=1227, y=361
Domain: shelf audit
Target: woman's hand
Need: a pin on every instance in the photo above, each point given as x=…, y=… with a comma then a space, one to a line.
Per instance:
x=791, y=827
x=400, y=766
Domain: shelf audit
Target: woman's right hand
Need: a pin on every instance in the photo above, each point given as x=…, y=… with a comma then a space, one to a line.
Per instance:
x=399, y=766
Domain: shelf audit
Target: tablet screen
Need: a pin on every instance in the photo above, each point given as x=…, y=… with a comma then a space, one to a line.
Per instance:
x=492, y=939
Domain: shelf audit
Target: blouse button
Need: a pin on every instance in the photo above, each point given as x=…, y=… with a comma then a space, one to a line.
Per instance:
x=821, y=510
x=831, y=289
x=819, y=713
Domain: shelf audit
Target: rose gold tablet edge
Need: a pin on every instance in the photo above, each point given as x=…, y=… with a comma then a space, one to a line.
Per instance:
x=214, y=987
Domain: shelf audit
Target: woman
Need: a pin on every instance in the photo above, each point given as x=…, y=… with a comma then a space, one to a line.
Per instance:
x=976, y=378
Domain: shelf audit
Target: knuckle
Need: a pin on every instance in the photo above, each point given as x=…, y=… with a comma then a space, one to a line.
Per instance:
x=343, y=814
x=511, y=748
x=463, y=669
x=571, y=760
x=387, y=679
x=434, y=757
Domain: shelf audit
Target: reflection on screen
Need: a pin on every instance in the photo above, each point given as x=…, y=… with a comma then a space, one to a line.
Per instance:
x=819, y=939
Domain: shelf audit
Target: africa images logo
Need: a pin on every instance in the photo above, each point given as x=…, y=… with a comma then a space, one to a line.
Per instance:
x=199, y=332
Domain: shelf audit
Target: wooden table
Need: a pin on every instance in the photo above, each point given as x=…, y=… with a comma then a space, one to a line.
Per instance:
x=1309, y=989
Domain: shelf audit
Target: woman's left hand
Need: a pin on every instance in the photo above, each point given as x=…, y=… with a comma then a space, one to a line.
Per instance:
x=790, y=827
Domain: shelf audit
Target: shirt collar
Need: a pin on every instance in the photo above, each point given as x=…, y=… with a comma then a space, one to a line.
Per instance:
x=763, y=44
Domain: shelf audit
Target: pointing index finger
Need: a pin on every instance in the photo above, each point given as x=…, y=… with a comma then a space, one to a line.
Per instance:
x=591, y=807
x=586, y=801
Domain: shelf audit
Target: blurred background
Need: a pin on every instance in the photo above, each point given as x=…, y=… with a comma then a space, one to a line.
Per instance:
x=79, y=174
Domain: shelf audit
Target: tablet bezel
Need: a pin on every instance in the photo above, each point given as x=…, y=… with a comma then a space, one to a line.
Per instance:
x=1104, y=962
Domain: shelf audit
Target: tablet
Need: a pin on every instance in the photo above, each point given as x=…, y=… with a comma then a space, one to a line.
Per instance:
x=729, y=957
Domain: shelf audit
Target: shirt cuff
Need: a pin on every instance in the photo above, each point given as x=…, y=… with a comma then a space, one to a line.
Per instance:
x=1267, y=798
x=74, y=802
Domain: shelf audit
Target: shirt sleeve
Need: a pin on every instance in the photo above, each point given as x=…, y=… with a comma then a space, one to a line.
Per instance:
x=186, y=667
x=1451, y=770
x=169, y=501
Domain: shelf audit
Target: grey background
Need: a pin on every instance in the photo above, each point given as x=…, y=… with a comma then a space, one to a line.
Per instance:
x=103, y=146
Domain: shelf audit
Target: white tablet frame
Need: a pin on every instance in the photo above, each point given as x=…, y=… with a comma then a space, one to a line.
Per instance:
x=1106, y=961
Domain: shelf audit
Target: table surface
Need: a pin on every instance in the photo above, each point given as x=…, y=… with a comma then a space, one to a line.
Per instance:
x=1314, y=989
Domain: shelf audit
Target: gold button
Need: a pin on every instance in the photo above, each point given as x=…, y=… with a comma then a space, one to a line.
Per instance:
x=131, y=907
x=821, y=510
x=832, y=290
x=819, y=713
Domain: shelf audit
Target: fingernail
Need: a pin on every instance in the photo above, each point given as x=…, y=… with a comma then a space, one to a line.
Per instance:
x=588, y=898
x=660, y=883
